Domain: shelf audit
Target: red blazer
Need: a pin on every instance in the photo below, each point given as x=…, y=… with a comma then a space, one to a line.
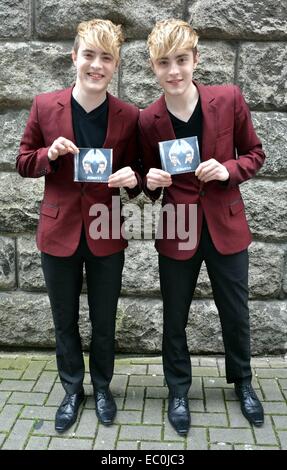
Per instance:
x=229, y=137
x=66, y=204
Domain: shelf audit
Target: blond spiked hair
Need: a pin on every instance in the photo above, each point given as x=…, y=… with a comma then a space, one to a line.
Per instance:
x=100, y=33
x=169, y=35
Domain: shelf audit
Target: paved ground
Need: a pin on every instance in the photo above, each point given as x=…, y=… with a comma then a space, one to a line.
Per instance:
x=30, y=393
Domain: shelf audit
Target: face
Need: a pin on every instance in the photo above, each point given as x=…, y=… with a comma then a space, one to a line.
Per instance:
x=87, y=168
x=101, y=167
x=188, y=158
x=175, y=71
x=173, y=159
x=95, y=68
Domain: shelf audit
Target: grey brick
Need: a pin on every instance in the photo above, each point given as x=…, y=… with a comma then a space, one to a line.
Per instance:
x=208, y=361
x=106, y=437
x=196, y=405
x=197, y=439
x=131, y=369
x=155, y=369
x=119, y=385
x=33, y=370
x=25, y=398
x=45, y=382
x=254, y=447
x=2, y=439
x=169, y=433
x=271, y=391
x=209, y=419
x=127, y=445
x=146, y=380
x=56, y=395
x=221, y=446
x=5, y=362
x=20, y=362
x=280, y=422
x=87, y=424
x=260, y=362
x=37, y=443
x=149, y=445
x=4, y=397
x=15, y=385
x=272, y=373
x=39, y=412
x=147, y=360
x=10, y=374
x=231, y=436
x=217, y=382
x=58, y=443
x=214, y=399
x=265, y=434
x=278, y=362
x=236, y=418
x=51, y=364
x=134, y=398
x=196, y=390
x=205, y=372
x=153, y=411
x=18, y=435
x=133, y=433
x=128, y=417
x=283, y=383
x=157, y=392
x=8, y=416
x=275, y=407
x=47, y=428
x=283, y=439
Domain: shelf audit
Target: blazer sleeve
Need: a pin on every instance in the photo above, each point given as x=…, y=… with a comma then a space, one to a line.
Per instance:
x=248, y=146
x=32, y=160
x=149, y=160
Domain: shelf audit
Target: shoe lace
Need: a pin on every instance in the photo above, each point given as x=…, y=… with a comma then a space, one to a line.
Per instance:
x=247, y=390
x=180, y=401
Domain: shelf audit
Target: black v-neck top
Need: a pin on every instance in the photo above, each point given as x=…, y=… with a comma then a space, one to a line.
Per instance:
x=191, y=128
x=90, y=129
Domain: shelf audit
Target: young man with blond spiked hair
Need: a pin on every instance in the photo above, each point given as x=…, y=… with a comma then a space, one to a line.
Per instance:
x=84, y=115
x=230, y=153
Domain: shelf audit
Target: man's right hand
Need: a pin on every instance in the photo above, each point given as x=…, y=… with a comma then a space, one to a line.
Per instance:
x=158, y=179
x=61, y=146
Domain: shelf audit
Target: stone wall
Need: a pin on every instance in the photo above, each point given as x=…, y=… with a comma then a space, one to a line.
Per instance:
x=243, y=42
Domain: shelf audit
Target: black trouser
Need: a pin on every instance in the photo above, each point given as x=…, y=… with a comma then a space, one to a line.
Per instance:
x=64, y=278
x=229, y=280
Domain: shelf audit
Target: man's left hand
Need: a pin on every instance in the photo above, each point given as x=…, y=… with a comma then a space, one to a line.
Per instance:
x=125, y=177
x=211, y=170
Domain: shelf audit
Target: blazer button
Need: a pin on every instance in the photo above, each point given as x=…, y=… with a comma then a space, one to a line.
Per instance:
x=201, y=193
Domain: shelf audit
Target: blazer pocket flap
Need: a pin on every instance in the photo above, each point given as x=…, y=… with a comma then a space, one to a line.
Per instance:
x=236, y=206
x=50, y=211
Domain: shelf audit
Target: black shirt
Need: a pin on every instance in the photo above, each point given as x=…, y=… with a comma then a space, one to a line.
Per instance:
x=191, y=128
x=90, y=129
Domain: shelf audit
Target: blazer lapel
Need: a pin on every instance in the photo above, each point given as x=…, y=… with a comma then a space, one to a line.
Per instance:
x=209, y=113
x=115, y=122
x=163, y=125
x=64, y=114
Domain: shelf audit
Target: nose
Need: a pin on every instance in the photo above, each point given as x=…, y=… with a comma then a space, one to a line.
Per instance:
x=97, y=63
x=173, y=70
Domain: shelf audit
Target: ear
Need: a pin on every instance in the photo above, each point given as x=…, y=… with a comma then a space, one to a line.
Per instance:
x=195, y=60
x=74, y=57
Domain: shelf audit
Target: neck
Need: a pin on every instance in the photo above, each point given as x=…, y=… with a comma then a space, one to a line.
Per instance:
x=182, y=105
x=88, y=101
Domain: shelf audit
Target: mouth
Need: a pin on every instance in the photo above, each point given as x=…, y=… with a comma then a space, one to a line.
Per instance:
x=95, y=76
x=175, y=81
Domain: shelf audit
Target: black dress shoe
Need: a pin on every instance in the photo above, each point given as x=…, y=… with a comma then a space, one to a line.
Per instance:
x=179, y=415
x=250, y=405
x=106, y=407
x=68, y=411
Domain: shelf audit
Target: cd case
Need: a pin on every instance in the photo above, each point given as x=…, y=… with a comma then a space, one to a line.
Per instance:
x=93, y=165
x=179, y=155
